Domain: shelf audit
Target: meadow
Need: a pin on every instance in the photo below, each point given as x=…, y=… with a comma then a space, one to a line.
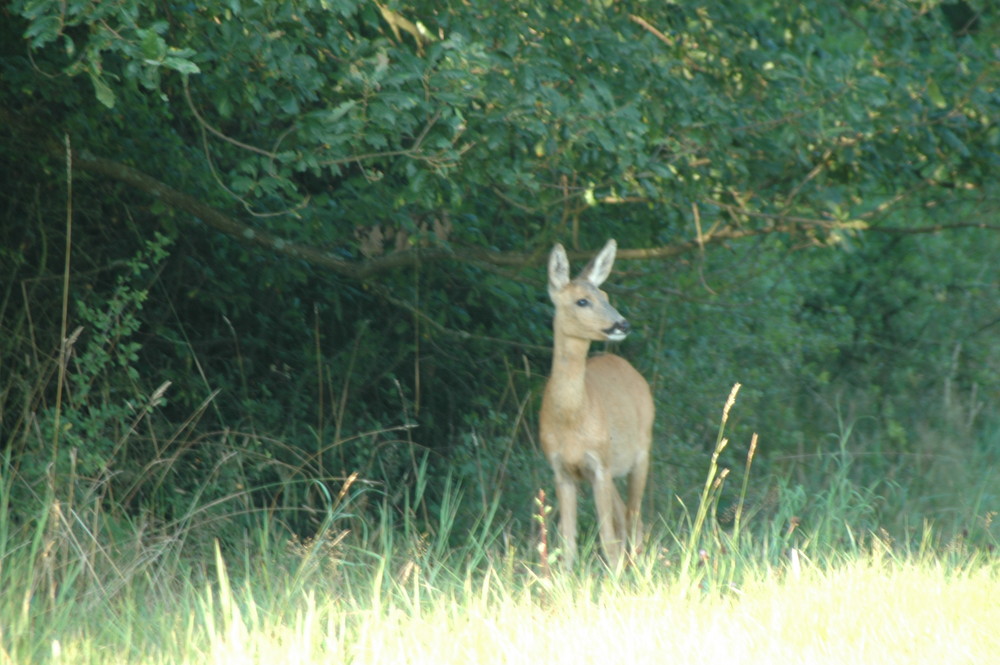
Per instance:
x=869, y=608
x=79, y=587
x=274, y=331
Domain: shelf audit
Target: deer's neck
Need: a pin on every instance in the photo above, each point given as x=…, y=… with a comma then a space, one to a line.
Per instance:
x=566, y=381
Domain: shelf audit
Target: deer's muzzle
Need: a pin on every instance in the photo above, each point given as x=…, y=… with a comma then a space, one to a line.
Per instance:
x=619, y=330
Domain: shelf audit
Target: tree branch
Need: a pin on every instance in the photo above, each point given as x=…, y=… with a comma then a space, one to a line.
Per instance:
x=366, y=269
x=934, y=228
x=212, y=217
x=360, y=270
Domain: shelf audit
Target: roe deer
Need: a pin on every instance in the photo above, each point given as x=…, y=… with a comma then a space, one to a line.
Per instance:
x=596, y=422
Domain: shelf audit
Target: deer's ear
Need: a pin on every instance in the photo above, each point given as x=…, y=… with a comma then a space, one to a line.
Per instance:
x=600, y=266
x=558, y=269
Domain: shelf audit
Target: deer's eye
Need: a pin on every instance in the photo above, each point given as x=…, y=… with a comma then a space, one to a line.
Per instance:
x=583, y=302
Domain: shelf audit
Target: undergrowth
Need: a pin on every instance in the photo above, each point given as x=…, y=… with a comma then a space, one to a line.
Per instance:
x=113, y=517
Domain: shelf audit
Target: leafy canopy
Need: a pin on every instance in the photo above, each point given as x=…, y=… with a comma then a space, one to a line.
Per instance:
x=525, y=121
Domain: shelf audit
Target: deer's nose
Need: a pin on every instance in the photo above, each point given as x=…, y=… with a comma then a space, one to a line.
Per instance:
x=621, y=327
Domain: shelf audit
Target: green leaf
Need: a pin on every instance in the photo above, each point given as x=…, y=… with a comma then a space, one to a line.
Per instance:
x=935, y=95
x=331, y=116
x=103, y=91
x=954, y=142
x=153, y=46
x=43, y=30
x=181, y=65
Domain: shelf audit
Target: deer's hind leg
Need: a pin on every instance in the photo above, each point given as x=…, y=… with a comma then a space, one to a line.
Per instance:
x=636, y=488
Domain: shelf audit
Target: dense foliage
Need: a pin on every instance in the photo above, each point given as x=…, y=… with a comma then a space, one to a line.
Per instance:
x=323, y=222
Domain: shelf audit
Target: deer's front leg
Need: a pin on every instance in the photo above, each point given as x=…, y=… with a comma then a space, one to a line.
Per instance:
x=566, y=499
x=610, y=520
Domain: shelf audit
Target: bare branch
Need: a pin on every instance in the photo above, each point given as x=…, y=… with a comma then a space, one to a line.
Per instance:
x=651, y=29
x=209, y=215
x=934, y=228
x=366, y=269
x=212, y=130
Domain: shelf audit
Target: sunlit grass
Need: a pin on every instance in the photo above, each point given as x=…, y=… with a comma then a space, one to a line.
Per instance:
x=326, y=602
x=870, y=609
x=864, y=612
x=796, y=580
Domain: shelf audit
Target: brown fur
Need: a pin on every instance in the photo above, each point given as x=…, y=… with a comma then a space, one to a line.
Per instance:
x=596, y=422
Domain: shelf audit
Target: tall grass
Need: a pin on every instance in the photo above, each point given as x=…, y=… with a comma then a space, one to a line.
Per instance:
x=334, y=600
x=792, y=580
x=112, y=556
